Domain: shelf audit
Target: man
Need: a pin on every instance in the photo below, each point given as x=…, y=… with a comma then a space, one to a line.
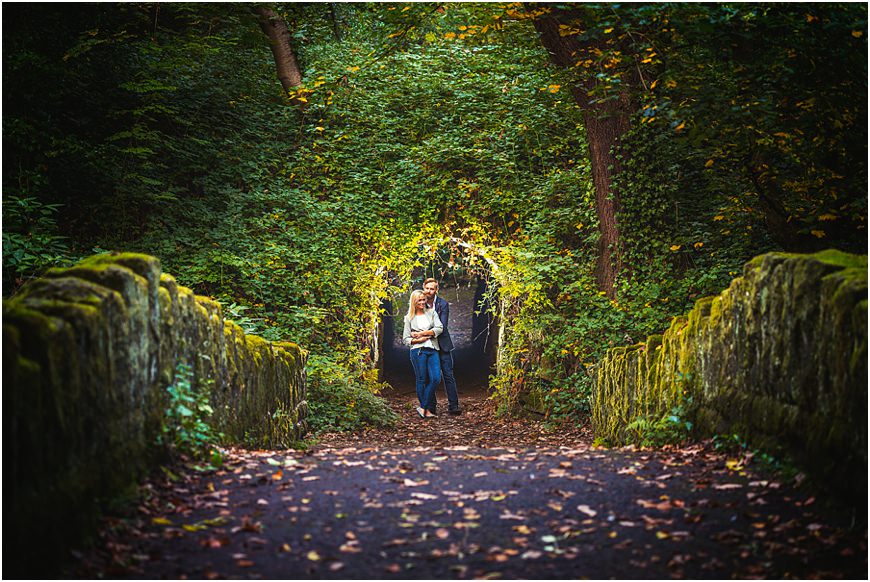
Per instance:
x=442, y=308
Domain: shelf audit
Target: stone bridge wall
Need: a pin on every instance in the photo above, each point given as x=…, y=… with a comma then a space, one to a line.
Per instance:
x=779, y=358
x=88, y=353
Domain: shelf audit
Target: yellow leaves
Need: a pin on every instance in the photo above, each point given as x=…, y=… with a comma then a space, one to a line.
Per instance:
x=812, y=18
x=608, y=30
x=313, y=556
x=450, y=35
x=352, y=69
x=818, y=233
x=680, y=127
x=318, y=128
x=698, y=245
x=161, y=521
x=675, y=248
x=718, y=217
x=565, y=30
x=670, y=83
x=552, y=88
x=857, y=33
x=579, y=226
x=709, y=164
x=653, y=84
x=828, y=217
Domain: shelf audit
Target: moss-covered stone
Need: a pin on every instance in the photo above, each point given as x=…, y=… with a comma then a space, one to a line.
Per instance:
x=780, y=357
x=88, y=353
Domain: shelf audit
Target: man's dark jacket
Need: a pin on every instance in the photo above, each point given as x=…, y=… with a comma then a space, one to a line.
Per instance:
x=442, y=308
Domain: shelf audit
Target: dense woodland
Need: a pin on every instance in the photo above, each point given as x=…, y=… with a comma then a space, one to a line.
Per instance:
x=603, y=165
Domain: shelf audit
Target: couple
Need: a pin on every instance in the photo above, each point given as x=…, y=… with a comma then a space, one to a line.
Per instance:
x=431, y=348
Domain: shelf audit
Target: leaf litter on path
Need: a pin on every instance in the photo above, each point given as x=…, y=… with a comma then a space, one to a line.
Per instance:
x=474, y=496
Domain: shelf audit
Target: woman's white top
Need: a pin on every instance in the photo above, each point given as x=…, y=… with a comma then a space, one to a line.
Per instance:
x=428, y=320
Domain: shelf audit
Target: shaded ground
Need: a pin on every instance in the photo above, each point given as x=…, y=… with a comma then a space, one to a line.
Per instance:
x=476, y=497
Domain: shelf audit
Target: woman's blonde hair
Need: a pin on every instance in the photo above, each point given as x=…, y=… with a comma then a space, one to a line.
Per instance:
x=412, y=311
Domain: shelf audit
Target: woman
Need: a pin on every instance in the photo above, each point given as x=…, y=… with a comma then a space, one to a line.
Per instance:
x=422, y=328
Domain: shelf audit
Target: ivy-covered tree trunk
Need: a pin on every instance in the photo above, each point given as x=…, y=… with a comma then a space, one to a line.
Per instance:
x=336, y=23
x=279, y=38
x=606, y=120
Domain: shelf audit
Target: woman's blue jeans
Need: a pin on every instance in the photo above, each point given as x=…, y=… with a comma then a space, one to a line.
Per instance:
x=427, y=371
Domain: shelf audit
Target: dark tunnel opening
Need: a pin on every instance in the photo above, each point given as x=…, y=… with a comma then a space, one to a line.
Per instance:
x=473, y=328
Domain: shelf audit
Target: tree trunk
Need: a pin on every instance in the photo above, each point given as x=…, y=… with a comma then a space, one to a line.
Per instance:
x=606, y=121
x=336, y=24
x=776, y=217
x=279, y=38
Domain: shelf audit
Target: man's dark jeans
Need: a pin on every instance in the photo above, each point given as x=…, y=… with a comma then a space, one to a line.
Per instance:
x=449, y=383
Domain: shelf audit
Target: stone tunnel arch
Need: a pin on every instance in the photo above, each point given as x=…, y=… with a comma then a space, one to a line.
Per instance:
x=467, y=280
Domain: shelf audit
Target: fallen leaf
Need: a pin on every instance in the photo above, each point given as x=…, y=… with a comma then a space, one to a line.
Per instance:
x=426, y=496
x=587, y=510
x=350, y=548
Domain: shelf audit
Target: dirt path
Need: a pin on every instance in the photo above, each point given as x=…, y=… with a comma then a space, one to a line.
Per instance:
x=476, y=497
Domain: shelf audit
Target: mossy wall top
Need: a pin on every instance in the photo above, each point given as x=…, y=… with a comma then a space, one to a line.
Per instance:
x=780, y=358
x=88, y=353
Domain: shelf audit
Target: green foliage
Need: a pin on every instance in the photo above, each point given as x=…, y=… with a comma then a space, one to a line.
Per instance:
x=735, y=445
x=654, y=432
x=186, y=430
x=31, y=242
x=339, y=402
